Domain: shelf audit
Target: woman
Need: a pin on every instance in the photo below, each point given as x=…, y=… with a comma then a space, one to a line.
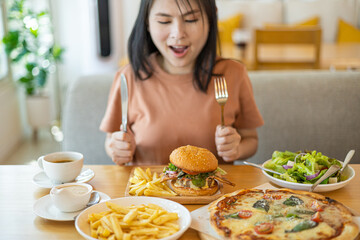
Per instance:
x=173, y=63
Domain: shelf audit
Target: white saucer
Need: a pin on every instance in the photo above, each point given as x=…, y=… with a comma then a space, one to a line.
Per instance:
x=42, y=180
x=44, y=208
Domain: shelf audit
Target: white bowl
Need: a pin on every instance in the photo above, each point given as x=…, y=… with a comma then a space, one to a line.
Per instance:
x=83, y=227
x=349, y=172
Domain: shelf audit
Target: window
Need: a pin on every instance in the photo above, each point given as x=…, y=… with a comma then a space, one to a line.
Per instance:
x=3, y=59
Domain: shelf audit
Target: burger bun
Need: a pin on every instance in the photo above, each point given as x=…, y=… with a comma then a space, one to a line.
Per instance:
x=194, y=160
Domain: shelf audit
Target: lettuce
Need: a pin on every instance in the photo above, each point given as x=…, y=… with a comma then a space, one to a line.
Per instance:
x=286, y=177
x=307, y=163
x=286, y=154
x=281, y=158
x=302, y=169
x=276, y=167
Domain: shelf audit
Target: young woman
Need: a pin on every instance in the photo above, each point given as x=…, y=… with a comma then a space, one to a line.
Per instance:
x=173, y=63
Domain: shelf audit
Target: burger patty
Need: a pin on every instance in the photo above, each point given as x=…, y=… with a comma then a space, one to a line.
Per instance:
x=186, y=182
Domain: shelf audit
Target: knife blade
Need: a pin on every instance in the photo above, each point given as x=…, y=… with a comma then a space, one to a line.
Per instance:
x=124, y=102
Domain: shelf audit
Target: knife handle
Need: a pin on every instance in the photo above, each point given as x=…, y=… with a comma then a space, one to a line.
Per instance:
x=123, y=127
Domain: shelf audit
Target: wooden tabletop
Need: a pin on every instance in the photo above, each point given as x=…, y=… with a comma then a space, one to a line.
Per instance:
x=18, y=194
x=334, y=56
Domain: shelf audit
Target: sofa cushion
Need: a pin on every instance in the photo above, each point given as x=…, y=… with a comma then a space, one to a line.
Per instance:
x=227, y=26
x=327, y=10
x=347, y=33
x=313, y=21
x=307, y=110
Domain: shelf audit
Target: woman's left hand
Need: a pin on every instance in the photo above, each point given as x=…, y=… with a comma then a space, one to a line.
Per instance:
x=227, y=140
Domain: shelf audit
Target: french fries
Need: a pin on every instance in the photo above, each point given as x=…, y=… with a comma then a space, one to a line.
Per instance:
x=145, y=183
x=133, y=222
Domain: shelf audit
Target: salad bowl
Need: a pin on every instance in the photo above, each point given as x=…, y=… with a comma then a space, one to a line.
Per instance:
x=348, y=172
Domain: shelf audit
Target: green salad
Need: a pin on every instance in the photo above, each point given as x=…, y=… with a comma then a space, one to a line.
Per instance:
x=302, y=167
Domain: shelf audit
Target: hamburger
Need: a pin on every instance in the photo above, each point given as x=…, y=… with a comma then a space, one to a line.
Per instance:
x=194, y=171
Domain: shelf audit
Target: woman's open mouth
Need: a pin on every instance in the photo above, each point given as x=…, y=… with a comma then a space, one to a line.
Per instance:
x=179, y=51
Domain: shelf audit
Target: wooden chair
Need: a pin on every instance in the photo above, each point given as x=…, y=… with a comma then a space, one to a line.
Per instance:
x=289, y=37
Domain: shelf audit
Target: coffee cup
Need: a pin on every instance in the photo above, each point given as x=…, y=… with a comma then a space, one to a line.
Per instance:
x=71, y=197
x=61, y=167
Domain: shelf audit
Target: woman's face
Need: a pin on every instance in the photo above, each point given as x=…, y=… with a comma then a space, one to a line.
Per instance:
x=178, y=35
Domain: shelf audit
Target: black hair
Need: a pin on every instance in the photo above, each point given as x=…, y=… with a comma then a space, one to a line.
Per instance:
x=140, y=44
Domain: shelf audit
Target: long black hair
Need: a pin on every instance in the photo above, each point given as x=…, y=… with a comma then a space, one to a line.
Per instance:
x=140, y=44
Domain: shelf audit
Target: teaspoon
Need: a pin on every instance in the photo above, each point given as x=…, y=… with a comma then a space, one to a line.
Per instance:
x=94, y=199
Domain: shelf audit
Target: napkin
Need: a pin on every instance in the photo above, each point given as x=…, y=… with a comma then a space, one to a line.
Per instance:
x=201, y=219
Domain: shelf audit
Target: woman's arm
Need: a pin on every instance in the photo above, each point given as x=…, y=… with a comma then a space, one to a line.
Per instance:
x=233, y=144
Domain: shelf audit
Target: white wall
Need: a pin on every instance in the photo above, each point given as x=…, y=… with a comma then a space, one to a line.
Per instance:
x=358, y=13
x=129, y=12
x=76, y=30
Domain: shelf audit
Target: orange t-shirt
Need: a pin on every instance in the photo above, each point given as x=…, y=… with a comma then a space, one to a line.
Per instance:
x=166, y=111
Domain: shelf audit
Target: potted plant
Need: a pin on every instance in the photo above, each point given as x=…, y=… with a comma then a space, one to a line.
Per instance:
x=30, y=46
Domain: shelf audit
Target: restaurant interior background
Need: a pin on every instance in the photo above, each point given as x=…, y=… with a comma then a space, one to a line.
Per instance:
x=81, y=28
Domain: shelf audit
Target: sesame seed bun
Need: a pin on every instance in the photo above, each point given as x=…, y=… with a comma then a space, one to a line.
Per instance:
x=188, y=191
x=194, y=160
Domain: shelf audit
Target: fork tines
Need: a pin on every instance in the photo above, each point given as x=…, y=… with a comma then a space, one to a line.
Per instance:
x=220, y=88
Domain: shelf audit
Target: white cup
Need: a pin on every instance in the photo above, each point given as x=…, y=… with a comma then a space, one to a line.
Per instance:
x=71, y=197
x=62, y=167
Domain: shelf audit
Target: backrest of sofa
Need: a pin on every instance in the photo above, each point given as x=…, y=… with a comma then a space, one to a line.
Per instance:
x=308, y=110
x=84, y=108
x=303, y=110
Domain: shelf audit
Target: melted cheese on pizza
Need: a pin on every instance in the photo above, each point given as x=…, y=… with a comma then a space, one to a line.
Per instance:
x=277, y=215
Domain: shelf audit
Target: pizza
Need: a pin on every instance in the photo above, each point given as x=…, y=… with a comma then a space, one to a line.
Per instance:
x=281, y=214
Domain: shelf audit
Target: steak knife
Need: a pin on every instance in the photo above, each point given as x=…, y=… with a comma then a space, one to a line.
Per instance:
x=124, y=101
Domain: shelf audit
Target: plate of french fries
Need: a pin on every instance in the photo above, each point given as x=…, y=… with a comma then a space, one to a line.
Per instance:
x=147, y=181
x=131, y=218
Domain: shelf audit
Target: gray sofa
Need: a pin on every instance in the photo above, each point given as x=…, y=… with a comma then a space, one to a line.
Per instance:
x=308, y=110
x=82, y=113
x=303, y=110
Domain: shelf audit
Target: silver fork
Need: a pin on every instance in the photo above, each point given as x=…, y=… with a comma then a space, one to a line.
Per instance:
x=221, y=95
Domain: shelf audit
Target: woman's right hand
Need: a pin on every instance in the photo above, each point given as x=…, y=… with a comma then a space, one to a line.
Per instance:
x=121, y=146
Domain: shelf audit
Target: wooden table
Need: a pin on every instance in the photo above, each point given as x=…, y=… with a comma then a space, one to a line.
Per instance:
x=18, y=195
x=334, y=56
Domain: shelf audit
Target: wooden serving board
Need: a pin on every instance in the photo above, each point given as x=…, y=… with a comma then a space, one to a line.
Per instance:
x=178, y=199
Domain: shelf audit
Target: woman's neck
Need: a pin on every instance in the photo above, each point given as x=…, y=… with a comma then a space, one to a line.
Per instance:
x=167, y=67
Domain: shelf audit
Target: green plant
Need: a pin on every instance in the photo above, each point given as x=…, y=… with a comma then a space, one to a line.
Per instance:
x=30, y=46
